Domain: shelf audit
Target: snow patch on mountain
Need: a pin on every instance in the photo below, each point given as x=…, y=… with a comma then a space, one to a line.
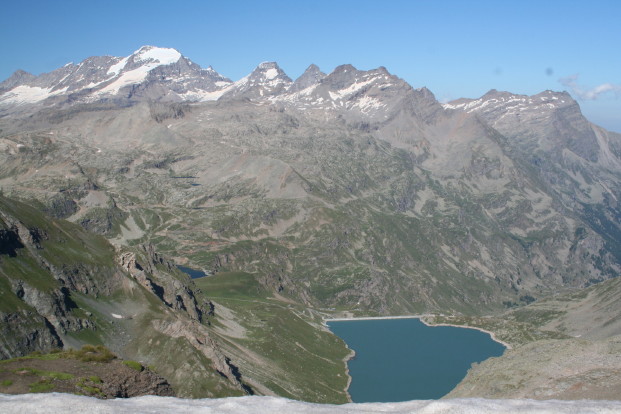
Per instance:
x=203, y=96
x=163, y=56
x=24, y=94
x=271, y=74
x=507, y=101
x=152, y=56
x=116, y=68
x=127, y=78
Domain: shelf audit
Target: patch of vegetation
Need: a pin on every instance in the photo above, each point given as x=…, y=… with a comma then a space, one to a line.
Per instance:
x=92, y=353
x=512, y=332
x=89, y=388
x=6, y=383
x=54, y=354
x=295, y=348
x=46, y=374
x=136, y=366
x=44, y=385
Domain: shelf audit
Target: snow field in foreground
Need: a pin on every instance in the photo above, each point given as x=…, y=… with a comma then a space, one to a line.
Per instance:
x=59, y=403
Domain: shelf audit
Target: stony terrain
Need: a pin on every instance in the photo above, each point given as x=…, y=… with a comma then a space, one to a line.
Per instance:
x=564, y=347
x=570, y=369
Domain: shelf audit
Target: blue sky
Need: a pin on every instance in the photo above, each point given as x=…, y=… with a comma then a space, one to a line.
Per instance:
x=455, y=48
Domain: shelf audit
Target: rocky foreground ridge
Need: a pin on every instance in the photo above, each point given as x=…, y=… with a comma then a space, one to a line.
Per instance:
x=93, y=371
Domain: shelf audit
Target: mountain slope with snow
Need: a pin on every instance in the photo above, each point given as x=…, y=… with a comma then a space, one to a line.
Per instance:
x=149, y=73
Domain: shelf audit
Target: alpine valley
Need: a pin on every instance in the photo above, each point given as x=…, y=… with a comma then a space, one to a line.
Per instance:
x=340, y=194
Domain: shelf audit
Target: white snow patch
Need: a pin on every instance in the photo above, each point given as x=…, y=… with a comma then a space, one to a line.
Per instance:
x=203, y=96
x=127, y=78
x=117, y=67
x=24, y=94
x=453, y=106
x=152, y=56
x=92, y=85
x=164, y=56
x=334, y=96
x=56, y=403
x=367, y=103
x=117, y=316
x=354, y=87
x=271, y=73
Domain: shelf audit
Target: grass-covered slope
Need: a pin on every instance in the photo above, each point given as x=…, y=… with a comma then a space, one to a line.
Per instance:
x=281, y=346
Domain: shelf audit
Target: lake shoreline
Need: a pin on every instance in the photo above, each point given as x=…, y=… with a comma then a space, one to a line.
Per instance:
x=490, y=333
x=349, y=357
x=422, y=319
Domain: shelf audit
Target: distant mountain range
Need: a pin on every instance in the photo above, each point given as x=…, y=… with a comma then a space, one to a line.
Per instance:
x=510, y=191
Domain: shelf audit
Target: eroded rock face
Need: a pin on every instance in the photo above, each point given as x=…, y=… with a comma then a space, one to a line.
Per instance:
x=127, y=383
x=175, y=293
x=54, y=306
x=26, y=331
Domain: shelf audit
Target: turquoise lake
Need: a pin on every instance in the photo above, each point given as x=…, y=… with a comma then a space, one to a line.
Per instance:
x=193, y=273
x=404, y=359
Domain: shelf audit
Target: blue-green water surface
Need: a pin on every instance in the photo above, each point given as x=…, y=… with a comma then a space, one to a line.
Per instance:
x=193, y=273
x=404, y=359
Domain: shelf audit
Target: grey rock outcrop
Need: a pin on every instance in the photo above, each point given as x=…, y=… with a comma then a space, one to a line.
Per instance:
x=174, y=292
x=25, y=331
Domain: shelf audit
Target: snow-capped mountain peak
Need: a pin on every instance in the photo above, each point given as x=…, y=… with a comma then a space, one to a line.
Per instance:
x=153, y=73
x=267, y=79
x=163, y=56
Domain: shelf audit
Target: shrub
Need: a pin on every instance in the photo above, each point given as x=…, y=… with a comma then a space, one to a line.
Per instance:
x=90, y=353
